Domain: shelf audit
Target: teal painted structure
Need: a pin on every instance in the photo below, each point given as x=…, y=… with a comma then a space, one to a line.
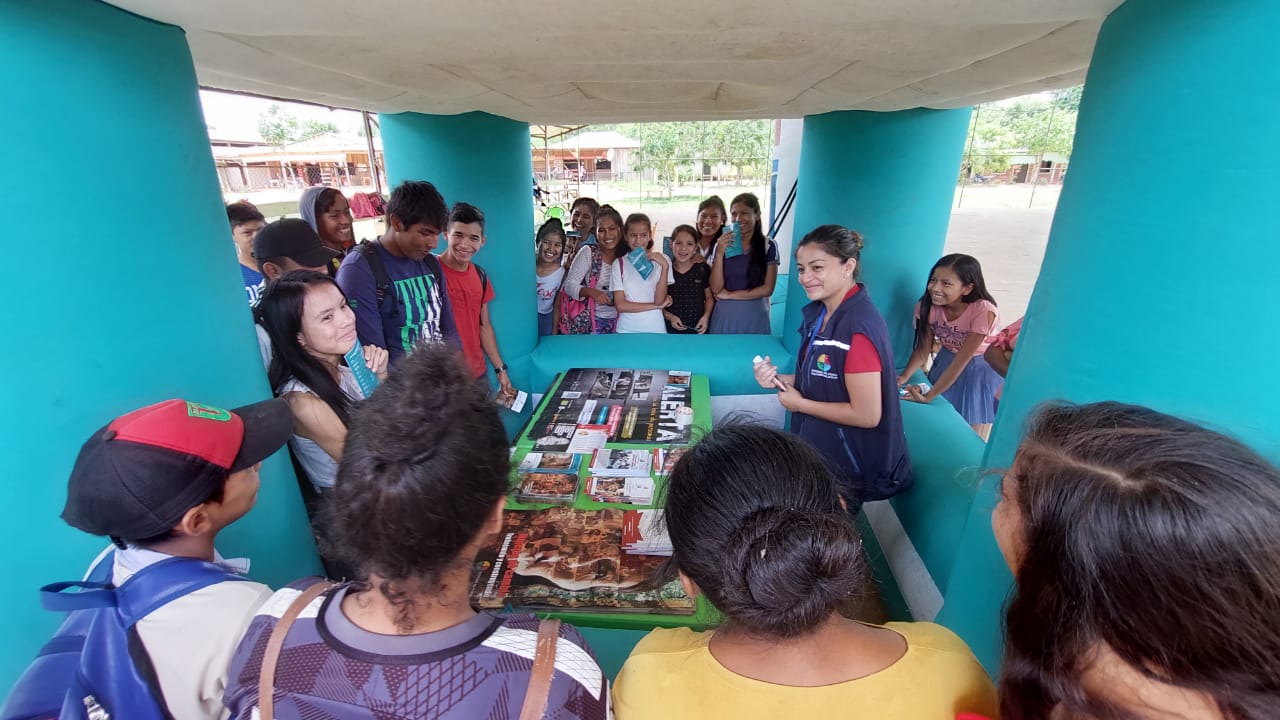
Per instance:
x=1156, y=291
x=125, y=291
x=890, y=176
x=484, y=160
x=1150, y=290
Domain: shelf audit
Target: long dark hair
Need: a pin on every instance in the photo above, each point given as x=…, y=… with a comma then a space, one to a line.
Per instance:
x=424, y=465
x=1150, y=536
x=757, y=245
x=609, y=211
x=967, y=268
x=776, y=558
x=279, y=312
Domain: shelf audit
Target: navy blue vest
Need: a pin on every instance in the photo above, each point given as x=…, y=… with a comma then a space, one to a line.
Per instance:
x=870, y=463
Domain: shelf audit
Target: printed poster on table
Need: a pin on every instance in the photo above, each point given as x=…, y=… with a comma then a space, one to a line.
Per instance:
x=638, y=406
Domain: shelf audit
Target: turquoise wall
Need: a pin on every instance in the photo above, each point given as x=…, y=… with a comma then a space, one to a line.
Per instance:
x=1161, y=266
x=890, y=176
x=484, y=160
x=124, y=289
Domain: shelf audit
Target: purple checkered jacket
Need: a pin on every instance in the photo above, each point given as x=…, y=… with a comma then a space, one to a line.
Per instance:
x=332, y=669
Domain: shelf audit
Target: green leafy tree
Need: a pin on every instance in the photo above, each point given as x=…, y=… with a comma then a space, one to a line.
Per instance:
x=677, y=151
x=312, y=128
x=1031, y=125
x=668, y=149
x=741, y=143
x=277, y=126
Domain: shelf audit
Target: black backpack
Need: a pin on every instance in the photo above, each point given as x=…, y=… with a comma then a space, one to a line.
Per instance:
x=382, y=281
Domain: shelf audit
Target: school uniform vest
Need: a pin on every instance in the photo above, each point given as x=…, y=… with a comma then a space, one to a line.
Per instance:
x=870, y=463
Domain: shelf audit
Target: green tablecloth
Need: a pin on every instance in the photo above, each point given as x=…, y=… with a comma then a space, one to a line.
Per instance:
x=704, y=616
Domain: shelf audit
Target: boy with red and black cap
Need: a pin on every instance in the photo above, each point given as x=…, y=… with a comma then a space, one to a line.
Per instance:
x=161, y=482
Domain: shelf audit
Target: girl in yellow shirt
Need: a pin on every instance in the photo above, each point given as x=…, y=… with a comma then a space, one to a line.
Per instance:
x=757, y=526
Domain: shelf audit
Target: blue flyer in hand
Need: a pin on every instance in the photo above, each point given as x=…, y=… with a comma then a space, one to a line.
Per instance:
x=364, y=376
x=735, y=247
x=639, y=259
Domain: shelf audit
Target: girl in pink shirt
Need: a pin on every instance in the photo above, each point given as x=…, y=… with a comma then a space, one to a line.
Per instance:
x=960, y=314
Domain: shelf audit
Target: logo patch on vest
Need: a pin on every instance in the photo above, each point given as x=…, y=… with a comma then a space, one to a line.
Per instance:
x=822, y=368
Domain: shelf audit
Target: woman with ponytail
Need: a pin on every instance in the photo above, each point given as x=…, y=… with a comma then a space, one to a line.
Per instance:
x=777, y=560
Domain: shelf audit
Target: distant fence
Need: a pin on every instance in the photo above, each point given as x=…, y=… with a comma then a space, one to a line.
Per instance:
x=235, y=177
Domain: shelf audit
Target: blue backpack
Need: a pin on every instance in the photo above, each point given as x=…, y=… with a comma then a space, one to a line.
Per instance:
x=95, y=667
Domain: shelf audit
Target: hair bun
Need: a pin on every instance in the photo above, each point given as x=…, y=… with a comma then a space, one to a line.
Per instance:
x=785, y=570
x=857, y=239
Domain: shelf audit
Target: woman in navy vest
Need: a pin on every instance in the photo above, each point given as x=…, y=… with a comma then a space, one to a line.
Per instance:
x=844, y=395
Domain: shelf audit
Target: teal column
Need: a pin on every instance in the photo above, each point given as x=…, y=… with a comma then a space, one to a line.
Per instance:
x=484, y=160
x=123, y=287
x=890, y=176
x=1160, y=273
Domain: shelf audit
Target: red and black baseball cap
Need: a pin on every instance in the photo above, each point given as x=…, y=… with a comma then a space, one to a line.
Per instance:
x=135, y=478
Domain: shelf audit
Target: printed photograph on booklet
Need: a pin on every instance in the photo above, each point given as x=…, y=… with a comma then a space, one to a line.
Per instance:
x=617, y=489
x=550, y=461
x=547, y=487
x=572, y=559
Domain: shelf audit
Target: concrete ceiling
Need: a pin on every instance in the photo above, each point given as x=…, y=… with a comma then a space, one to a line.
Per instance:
x=572, y=61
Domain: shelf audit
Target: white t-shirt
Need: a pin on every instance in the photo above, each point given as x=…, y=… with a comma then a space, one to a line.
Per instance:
x=191, y=640
x=548, y=286
x=638, y=289
x=321, y=469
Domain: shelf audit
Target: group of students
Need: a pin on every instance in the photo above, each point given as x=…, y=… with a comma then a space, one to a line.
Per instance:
x=316, y=296
x=607, y=275
x=1145, y=549
x=588, y=282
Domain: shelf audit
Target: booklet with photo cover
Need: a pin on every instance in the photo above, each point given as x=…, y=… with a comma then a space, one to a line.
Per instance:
x=664, y=459
x=514, y=402
x=571, y=559
x=550, y=461
x=559, y=488
x=614, y=489
x=626, y=463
